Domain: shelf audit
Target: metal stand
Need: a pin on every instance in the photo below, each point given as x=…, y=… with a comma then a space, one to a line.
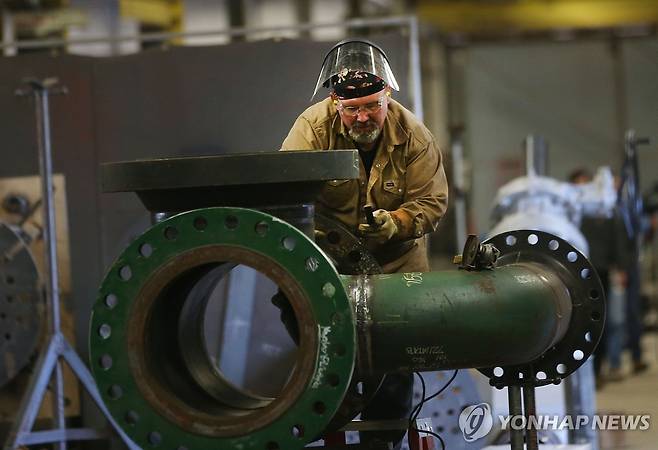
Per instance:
x=530, y=412
x=49, y=364
x=515, y=409
x=528, y=409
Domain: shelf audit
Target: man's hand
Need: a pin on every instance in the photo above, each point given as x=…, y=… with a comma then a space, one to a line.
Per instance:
x=383, y=229
x=287, y=315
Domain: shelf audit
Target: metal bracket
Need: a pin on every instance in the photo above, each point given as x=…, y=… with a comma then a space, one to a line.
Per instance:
x=477, y=256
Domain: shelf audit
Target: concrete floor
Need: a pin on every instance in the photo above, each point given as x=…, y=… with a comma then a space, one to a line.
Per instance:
x=636, y=394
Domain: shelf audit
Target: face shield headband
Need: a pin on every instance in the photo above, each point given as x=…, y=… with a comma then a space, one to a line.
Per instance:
x=355, y=84
x=355, y=68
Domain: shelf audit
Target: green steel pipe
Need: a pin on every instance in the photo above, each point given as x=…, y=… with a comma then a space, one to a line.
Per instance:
x=457, y=319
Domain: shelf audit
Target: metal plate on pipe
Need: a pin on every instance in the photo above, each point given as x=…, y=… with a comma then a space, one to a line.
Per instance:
x=255, y=180
x=230, y=170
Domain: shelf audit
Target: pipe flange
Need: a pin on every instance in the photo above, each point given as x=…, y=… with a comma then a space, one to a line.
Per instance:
x=588, y=307
x=135, y=351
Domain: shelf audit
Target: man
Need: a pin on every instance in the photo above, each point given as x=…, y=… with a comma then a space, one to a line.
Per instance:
x=401, y=178
x=401, y=174
x=611, y=254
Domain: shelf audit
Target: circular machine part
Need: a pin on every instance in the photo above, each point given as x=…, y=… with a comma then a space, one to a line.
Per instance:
x=588, y=307
x=350, y=257
x=135, y=348
x=21, y=305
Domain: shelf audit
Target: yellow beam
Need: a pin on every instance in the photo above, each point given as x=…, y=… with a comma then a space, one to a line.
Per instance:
x=43, y=23
x=472, y=16
x=164, y=13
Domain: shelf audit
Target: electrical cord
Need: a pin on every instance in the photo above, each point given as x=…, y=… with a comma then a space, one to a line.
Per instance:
x=416, y=410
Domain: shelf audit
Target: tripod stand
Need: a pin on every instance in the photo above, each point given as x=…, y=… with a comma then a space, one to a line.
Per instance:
x=49, y=363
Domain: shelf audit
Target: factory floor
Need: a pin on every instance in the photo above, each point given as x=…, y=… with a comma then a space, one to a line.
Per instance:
x=635, y=394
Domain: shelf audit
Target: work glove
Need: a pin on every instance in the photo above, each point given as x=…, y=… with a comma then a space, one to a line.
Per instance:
x=383, y=229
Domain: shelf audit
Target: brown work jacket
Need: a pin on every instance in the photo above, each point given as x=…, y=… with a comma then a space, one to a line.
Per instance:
x=406, y=178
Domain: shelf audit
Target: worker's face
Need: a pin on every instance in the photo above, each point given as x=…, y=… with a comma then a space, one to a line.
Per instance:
x=364, y=116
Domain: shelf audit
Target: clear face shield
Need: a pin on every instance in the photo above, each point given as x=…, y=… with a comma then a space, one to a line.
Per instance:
x=355, y=56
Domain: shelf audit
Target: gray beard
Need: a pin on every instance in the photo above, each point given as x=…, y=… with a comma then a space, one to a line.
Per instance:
x=364, y=138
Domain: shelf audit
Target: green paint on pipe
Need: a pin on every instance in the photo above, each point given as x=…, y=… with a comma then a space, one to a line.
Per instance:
x=457, y=319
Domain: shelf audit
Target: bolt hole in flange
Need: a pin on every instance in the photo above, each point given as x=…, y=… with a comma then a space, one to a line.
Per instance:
x=584, y=286
x=111, y=301
x=215, y=302
x=200, y=223
x=319, y=408
x=289, y=243
x=154, y=438
x=115, y=391
x=171, y=233
x=297, y=431
x=132, y=418
x=232, y=222
x=105, y=362
x=105, y=331
x=125, y=273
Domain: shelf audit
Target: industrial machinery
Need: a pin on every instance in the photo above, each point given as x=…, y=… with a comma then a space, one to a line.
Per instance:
x=525, y=307
x=538, y=202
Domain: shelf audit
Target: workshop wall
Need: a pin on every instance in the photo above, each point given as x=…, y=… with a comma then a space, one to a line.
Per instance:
x=565, y=92
x=641, y=86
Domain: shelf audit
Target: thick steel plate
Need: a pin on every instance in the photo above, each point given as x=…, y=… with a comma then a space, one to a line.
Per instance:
x=156, y=417
x=257, y=179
